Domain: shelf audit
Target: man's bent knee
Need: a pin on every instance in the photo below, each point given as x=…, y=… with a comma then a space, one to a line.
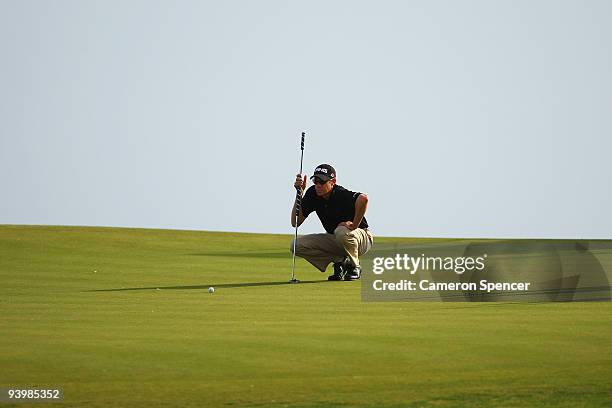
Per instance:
x=298, y=245
x=343, y=235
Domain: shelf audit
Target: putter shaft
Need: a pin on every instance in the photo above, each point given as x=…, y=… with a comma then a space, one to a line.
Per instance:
x=298, y=204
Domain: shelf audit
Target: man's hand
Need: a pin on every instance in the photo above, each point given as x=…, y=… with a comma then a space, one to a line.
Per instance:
x=300, y=182
x=347, y=224
x=300, y=185
x=361, y=204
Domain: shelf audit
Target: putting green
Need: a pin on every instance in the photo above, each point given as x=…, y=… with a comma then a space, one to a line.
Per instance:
x=80, y=310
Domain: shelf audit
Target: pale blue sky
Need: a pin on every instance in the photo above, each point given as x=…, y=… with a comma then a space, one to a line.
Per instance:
x=458, y=118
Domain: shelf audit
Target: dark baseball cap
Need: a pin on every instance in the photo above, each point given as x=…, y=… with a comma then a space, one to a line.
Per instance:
x=324, y=172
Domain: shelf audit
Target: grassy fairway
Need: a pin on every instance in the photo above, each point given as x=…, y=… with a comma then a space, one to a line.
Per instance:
x=79, y=309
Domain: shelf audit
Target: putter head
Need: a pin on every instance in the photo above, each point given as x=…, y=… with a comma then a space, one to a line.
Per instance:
x=294, y=280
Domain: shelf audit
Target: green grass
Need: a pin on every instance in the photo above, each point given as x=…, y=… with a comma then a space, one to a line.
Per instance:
x=64, y=322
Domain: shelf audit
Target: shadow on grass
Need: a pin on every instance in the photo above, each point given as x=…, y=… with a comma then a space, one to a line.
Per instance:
x=245, y=254
x=200, y=287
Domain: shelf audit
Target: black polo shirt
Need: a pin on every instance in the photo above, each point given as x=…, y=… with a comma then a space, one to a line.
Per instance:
x=338, y=208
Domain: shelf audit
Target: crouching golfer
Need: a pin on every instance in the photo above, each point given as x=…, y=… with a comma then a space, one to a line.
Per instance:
x=342, y=214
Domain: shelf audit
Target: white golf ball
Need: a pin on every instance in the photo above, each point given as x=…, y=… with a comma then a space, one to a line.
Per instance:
x=211, y=290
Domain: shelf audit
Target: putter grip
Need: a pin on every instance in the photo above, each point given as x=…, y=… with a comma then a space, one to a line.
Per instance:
x=303, y=136
x=298, y=204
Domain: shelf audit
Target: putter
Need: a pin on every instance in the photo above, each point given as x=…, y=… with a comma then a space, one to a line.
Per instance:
x=298, y=204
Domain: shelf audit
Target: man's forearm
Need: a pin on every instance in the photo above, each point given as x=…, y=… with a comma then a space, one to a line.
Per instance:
x=361, y=206
x=293, y=214
x=300, y=219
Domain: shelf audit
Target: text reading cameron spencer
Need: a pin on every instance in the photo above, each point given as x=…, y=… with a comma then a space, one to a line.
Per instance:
x=459, y=265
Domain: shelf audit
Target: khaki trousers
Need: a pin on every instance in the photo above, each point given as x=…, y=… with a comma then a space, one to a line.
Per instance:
x=322, y=249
